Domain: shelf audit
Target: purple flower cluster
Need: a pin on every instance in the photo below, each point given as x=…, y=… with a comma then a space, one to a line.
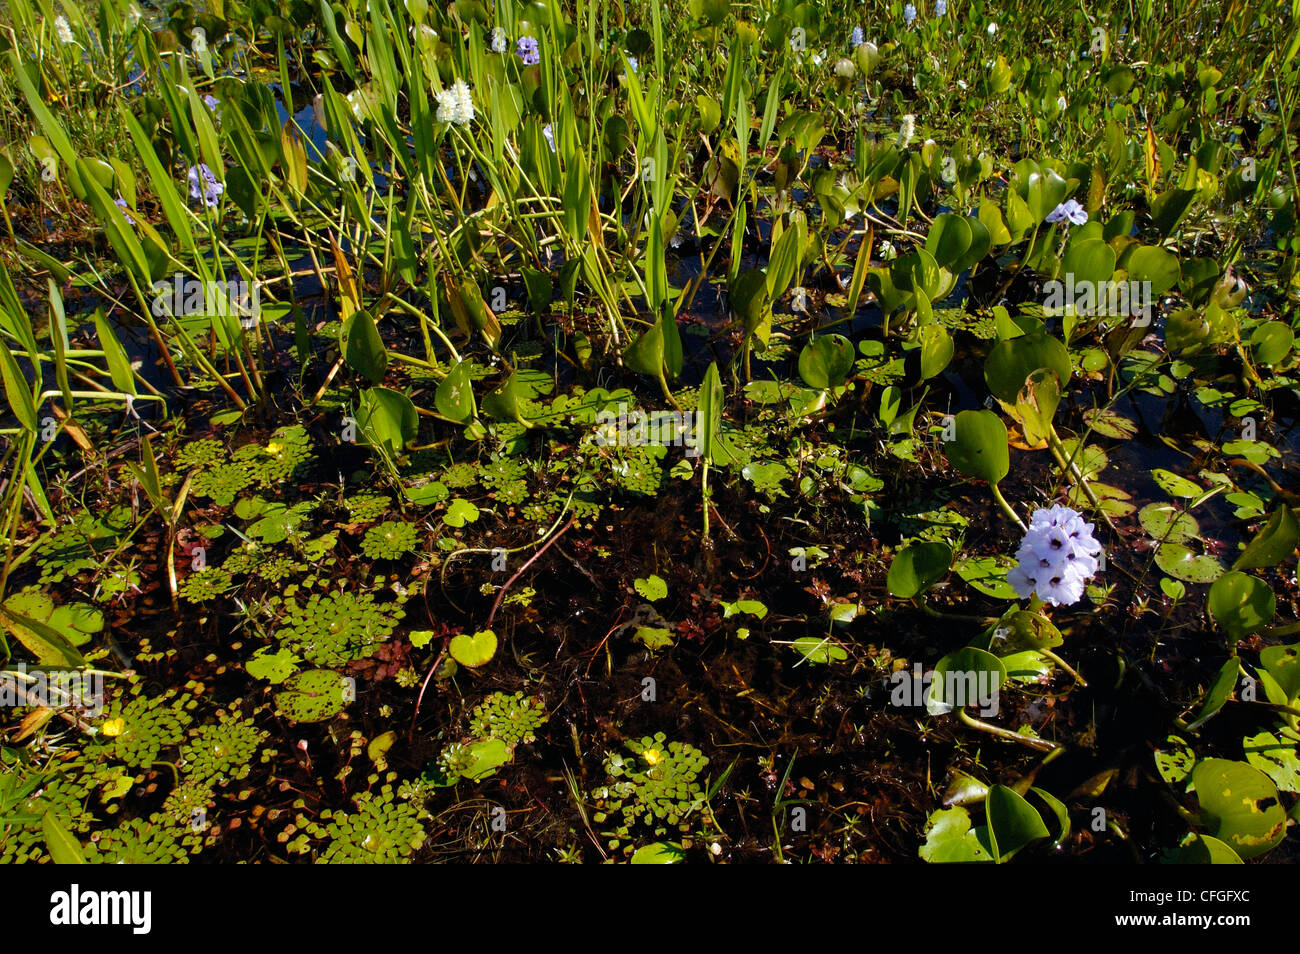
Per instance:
x=204, y=185
x=528, y=52
x=1056, y=558
x=1069, y=211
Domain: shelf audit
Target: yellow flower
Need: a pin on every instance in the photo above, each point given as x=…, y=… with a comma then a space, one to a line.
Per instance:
x=653, y=756
x=114, y=727
x=274, y=448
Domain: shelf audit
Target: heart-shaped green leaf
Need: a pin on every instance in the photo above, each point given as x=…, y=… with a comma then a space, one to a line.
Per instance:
x=473, y=650
x=918, y=567
x=979, y=446
x=826, y=361
x=1241, y=604
x=1241, y=805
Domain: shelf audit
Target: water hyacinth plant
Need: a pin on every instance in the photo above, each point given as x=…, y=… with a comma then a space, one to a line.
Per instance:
x=620, y=432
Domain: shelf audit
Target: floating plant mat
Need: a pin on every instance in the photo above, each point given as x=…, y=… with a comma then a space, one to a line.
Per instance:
x=573, y=434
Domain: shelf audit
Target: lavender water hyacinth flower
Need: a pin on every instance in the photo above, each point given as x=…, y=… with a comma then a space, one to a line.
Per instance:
x=204, y=185
x=528, y=52
x=126, y=210
x=909, y=13
x=940, y=7
x=1069, y=211
x=1056, y=558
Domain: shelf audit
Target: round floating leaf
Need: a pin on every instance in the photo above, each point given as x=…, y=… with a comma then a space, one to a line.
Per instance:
x=918, y=567
x=1180, y=562
x=1241, y=604
x=1158, y=266
x=1110, y=424
x=312, y=696
x=820, y=649
x=651, y=588
x=979, y=446
x=1271, y=342
x=1010, y=362
x=1174, y=485
x=473, y=651
x=459, y=513
x=950, y=839
x=485, y=757
x=966, y=677
x=1241, y=805
x=826, y=362
x=1167, y=524
x=660, y=853
x=1275, y=756
x=1204, y=850
x=1089, y=260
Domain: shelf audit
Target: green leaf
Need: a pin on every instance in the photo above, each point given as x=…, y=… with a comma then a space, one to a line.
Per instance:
x=1175, y=760
x=949, y=239
x=1219, y=693
x=119, y=365
x=1273, y=545
x=950, y=839
x=1283, y=664
x=63, y=848
x=1010, y=362
x=1089, y=260
x=819, y=649
x=1167, y=524
x=918, y=567
x=1160, y=267
x=1180, y=562
x=936, y=349
x=661, y=852
x=1275, y=756
x=1174, y=485
x=454, y=398
x=459, y=513
x=1241, y=604
x=473, y=651
x=18, y=390
x=651, y=588
x=966, y=677
x=979, y=447
x=826, y=361
x=43, y=641
x=387, y=418
x=1240, y=804
x=1204, y=850
x=505, y=402
x=364, y=350
x=1013, y=821
x=1271, y=342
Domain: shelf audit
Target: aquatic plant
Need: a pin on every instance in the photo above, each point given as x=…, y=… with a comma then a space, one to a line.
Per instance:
x=331, y=629
x=657, y=787
x=381, y=830
x=389, y=540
